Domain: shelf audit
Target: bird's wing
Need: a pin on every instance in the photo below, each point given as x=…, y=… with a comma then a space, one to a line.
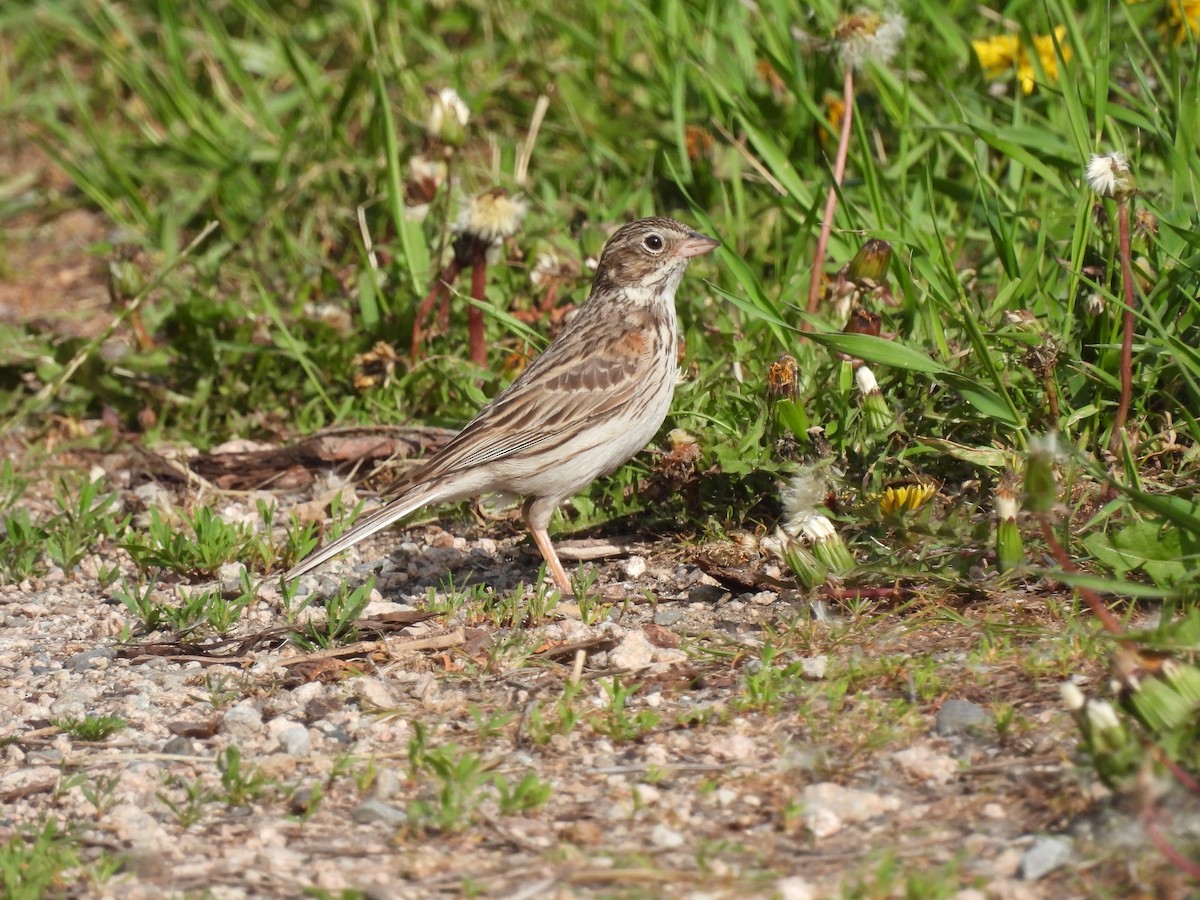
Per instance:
x=573, y=383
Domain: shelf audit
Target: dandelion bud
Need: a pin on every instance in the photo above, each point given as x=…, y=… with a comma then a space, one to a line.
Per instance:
x=818, y=533
x=125, y=276
x=448, y=117
x=1010, y=552
x=871, y=261
x=877, y=417
x=1072, y=696
x=1145, y=223
x=1041, y=488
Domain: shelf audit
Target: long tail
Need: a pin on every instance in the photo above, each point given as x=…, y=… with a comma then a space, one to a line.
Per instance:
x=412, y=500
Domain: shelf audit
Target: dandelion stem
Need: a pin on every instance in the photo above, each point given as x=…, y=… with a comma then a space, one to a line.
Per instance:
x=1090, y=597
x=478, y=346
x=1114, y=441
x=441, y=285
x=839, y=171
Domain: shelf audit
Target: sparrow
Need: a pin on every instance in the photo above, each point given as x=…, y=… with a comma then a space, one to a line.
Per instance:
x=591, y=400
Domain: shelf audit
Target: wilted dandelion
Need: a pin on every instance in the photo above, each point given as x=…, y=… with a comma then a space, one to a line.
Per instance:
x=864, y=277
x=1145, y=224
x=375, y=367
x=807, y=539
x=425, y=178
x=1002, y=54
x=783, y=378
x=1041, y=482
x=482, y=225
x=835, y=109
x=861, y=37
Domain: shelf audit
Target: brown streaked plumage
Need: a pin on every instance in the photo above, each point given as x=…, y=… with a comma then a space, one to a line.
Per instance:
x=590, y=401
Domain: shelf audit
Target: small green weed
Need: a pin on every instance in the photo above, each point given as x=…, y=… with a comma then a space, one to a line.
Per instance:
x=616, y=722
x=210, y=544
x=539, y=727
x=192, y=807
x=83, y=519
x=342, y=612
x=33, y=869
x=90, y=728
x=241, y=784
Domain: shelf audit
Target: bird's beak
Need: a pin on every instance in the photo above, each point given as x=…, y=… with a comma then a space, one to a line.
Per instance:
x=697, y=244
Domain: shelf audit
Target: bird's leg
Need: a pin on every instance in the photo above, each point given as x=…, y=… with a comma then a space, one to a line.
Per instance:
x=541, y=537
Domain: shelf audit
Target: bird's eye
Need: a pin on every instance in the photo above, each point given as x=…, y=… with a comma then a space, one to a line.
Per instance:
x=653, y=243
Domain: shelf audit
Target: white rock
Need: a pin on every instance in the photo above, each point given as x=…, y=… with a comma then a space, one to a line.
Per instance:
x=634, y=652
x=291, y=736
x=668, y=838
x=373, y=692
x=242, y=721
x=633, y=567
x=736, y=747
x=922, y=761
x=794, y=888
x=814, y=667
x=828, y=805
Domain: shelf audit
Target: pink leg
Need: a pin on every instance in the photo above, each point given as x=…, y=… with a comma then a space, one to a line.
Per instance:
x=542, y=538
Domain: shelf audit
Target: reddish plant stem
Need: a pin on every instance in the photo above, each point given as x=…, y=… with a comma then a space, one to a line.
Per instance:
x=839, y=172
x=1099, y=609
x=1150, y=823
x=1182, y=775
x=1114, y=440
x=441, y=285
x=478, y=346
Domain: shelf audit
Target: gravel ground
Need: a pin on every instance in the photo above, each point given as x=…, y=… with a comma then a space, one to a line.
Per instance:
x=410, y=763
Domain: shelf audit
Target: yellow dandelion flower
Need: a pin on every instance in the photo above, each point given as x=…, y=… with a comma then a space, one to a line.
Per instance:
x=905, y=498
x=1002, y=54
x=1184, y=18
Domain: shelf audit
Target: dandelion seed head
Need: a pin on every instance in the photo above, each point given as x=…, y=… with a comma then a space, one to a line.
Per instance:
x=803, y=494
x=1109, y=175
x=491, y=216
x=866, y=36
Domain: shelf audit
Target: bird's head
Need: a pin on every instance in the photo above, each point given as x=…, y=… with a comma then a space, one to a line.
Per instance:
x=650, y=254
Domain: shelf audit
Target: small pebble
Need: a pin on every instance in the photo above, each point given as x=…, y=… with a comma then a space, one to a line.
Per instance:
x=376, y=811
x=1044, y=856
x=956, y=716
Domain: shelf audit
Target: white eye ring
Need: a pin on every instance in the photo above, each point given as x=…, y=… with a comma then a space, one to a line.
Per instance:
x=653, y=243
